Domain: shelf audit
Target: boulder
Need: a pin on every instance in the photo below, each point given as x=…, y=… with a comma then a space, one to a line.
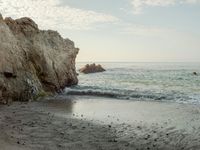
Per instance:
x=33, y=61
x=91, y=68
x=195, y=73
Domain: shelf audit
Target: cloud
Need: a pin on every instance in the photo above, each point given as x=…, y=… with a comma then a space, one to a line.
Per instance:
x=191, y=1
x=139, y=30
x=138, y=5
x=51, y=14
x=145, y=31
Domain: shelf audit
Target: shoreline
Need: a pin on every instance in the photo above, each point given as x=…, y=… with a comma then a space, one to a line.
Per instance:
x=70, y=123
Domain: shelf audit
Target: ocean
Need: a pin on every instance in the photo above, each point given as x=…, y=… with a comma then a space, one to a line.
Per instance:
x=172, y=82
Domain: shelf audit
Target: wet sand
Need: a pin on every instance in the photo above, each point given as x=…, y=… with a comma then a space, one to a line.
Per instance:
x=93, y=123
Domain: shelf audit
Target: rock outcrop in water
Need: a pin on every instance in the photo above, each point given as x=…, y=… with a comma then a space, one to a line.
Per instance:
x=93, y=68
x=33, y=61
x=195, y=73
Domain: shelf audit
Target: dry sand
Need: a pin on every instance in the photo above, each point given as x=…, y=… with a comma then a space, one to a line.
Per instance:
x=90, y=123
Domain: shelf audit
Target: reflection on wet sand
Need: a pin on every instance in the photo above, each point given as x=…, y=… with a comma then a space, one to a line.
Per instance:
x=60, y=104
x=109, y=111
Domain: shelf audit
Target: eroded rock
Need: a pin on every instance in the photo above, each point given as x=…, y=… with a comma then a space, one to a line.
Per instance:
x=1, y=17
x=195, y=73
x=33, y=60
x=92, y=68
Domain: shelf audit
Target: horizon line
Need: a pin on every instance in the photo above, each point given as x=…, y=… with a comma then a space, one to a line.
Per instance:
x=137, y=61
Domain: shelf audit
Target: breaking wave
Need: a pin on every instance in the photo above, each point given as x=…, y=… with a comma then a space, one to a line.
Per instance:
x=124, y=94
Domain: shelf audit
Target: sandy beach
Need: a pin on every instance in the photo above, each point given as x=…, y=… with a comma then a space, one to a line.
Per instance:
x=98, y=75
x=90, y=123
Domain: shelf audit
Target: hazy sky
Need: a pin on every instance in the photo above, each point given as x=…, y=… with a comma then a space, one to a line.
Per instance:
x=119, y=30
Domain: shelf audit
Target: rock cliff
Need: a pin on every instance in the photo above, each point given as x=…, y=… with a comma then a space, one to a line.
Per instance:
x=33, y=61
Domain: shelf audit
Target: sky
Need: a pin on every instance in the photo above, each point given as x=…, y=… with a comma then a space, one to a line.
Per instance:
x=119, y=30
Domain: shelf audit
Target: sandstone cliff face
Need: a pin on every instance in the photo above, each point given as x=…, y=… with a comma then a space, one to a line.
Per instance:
x=33, y=61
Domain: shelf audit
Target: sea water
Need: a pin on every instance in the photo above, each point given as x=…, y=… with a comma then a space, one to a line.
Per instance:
x=142, y=81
